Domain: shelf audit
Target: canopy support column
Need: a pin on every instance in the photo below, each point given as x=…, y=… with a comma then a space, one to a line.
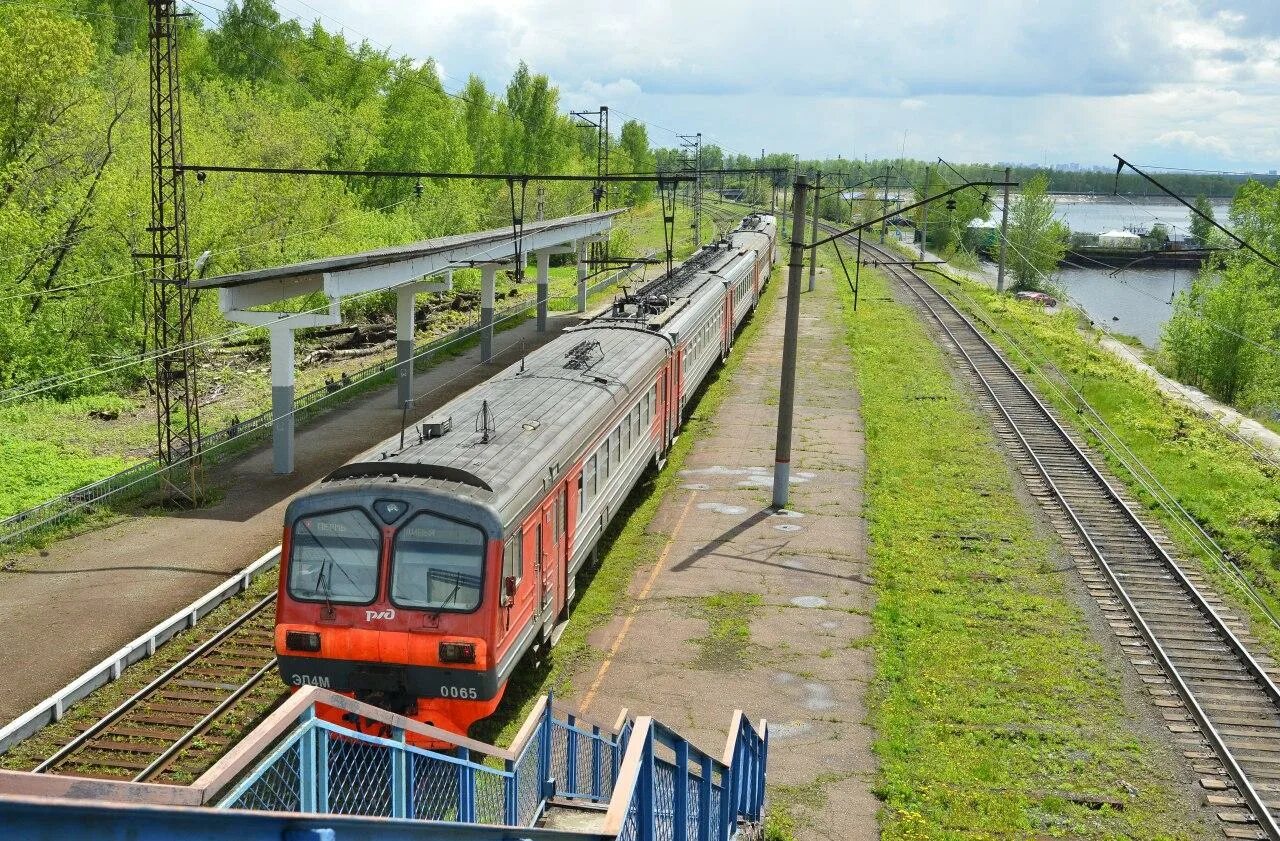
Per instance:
x=582, y=275
x=280, y=327
x=406, y=301
x=544, y=277
x=282, y=385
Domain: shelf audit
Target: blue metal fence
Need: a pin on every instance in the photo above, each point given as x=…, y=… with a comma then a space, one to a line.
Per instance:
x=298, y=776
x=323, y=767
x=680, y=792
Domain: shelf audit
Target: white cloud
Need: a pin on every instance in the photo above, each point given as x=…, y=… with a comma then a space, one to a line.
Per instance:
x=1018, y=81
x=1184, y=138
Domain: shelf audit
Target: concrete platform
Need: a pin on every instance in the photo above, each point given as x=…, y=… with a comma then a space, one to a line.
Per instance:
x=798, y=583
x=65, y=609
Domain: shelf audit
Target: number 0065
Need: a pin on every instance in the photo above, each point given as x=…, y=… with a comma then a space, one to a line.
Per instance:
x=458, y=692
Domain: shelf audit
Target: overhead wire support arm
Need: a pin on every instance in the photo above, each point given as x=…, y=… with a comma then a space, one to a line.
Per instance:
x=653, y=177
x=901, y=210
x=1270, y=261
x=517, y=223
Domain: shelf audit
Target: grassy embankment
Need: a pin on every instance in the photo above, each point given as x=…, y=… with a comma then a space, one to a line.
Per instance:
x=1234, y=494
x=997, y=715
x=49, y=446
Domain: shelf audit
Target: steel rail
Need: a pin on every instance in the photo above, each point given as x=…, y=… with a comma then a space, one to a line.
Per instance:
x=196, y=654
x=912, y=281
x=161, y=762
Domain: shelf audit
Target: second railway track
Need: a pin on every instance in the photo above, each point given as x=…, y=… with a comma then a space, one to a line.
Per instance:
x=1227, y=691
x=143, y=737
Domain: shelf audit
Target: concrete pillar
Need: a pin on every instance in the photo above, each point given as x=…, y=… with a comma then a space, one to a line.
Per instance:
x=405, y=299
x=282, y=398
x=582, y=276
x=487, y=273
x=544, y=278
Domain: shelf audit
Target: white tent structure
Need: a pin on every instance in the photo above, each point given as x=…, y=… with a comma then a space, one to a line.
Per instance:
x=1120, y=239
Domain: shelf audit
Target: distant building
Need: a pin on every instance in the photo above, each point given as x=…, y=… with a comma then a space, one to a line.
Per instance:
x=1120, y=239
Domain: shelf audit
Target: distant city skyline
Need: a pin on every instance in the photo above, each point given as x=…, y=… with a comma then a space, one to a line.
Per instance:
x=1174, y=83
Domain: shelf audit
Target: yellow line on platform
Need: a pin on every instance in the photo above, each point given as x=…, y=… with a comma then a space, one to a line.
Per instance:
x=644, y=594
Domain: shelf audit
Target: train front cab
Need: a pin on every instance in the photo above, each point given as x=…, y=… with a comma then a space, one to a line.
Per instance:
x=395, y=598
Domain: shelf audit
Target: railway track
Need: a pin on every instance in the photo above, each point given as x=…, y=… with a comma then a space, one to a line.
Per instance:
x=141, y=738
x=1226, y=690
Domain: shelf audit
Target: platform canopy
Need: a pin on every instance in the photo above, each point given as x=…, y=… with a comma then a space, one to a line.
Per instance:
x=405, y=269
x=385, y=268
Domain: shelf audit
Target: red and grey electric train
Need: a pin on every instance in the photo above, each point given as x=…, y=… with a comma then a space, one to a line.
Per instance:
x=417, y=576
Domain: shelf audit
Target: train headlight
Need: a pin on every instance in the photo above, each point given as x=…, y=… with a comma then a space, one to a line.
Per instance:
x=302, y=641
x=457, y=652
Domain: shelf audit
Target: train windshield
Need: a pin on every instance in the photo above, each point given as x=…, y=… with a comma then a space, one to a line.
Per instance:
x=438, y=564
x=334, y=558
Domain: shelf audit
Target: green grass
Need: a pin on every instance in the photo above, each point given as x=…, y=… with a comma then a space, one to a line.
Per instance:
x=727, y=644
x=627, y=545
x=994, y=708
x=1233, y=494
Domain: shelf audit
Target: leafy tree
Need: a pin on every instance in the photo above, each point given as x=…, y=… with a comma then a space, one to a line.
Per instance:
x=480, y=116
x=1159, y=235
x=251, y=41
x=1224, y=335
x=1037, y=241
x=530, y=135
x=1201, y=229
x=634, y=143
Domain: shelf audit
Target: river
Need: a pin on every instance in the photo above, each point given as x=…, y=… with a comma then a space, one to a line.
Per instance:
x=1136, y=302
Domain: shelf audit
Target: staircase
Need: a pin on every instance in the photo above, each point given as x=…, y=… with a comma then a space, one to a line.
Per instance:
x=298, y=776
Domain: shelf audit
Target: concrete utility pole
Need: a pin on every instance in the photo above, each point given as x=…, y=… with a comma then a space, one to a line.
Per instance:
x=884, y=225
x=813, y=236
x=924, y=216
x=1004, y=232
x=790, y=340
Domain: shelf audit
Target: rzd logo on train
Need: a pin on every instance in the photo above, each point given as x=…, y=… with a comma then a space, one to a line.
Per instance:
x=370, y=615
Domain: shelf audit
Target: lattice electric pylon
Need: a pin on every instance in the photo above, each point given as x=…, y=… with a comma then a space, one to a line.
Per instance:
x=172, y=300
x=599, y=120
x=691, y=162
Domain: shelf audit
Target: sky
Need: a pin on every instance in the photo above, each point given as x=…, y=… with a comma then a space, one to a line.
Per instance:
x=1173, y=83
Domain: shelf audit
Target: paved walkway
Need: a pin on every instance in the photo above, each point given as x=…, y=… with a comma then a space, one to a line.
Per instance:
x=65, y=609
x=752, y=610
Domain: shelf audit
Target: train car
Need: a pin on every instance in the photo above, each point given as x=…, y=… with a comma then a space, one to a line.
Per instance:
x=416, y=576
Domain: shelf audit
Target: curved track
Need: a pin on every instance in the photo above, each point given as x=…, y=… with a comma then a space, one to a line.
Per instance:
x=141, y=738
x=1226, y=691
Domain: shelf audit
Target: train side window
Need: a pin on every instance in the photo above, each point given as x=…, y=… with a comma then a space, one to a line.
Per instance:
x=617, y=445
x=513, y=558
x=582, y=500
x=626, y=425
x=605, y=448
x=593, y=483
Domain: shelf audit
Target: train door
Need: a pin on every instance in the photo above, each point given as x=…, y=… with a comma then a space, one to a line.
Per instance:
x=677, y=372
x=540, y=565
x=562, y=546
x=550, y=551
